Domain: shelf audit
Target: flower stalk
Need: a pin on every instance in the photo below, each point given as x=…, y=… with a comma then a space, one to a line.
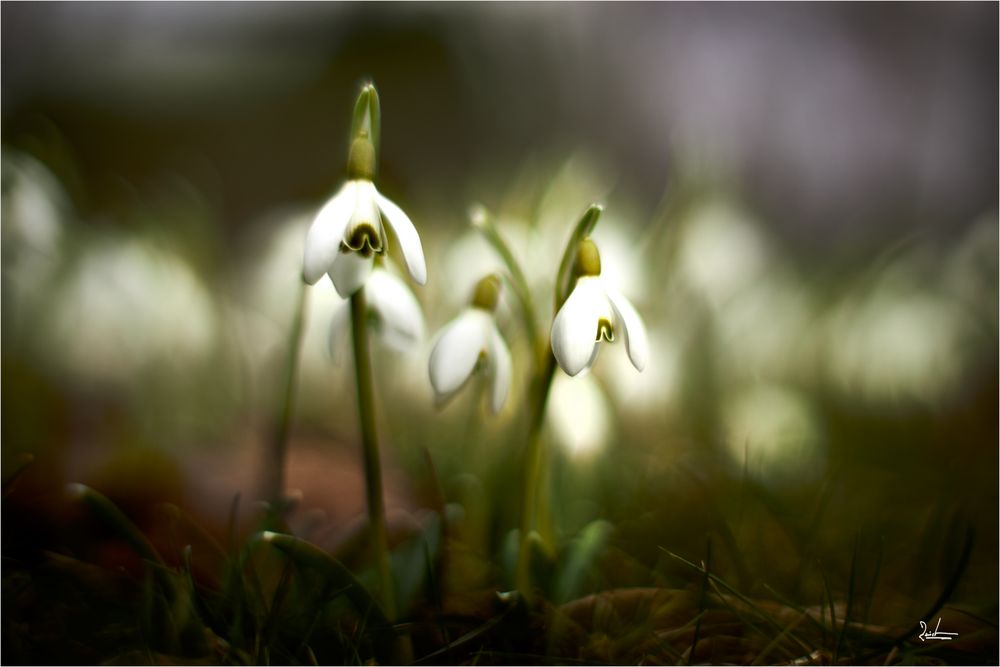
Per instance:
x=483, y=222
x=534, y=474
x=373, y=468
x=535, y=454
x=273, y=483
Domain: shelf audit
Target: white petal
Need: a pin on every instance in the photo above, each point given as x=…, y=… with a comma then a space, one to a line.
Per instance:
x=636, y=341
x=574, y=330
x=327, y=230
x=500, y=359
x=409, y=240
x=457, y=350
x=349, y=272
x=365, y=211
x=399, y=313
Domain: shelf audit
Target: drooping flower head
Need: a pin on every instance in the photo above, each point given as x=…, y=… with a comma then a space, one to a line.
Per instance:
x=471, y=342
x=394, y=314
x=348, y=231
x=594, y=313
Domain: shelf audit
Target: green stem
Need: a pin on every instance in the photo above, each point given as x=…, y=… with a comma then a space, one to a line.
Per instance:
x=534, y=464
x=483, y=221
x=273, y=484
x=534, y=474
x=369, y=438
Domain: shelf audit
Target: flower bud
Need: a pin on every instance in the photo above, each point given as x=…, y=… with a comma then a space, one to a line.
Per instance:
x=487, y=292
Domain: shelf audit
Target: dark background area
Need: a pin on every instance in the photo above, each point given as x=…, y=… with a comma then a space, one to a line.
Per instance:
x=841, y=123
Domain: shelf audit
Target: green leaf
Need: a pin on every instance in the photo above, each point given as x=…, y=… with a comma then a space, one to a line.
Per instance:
x=538, y=563
x=587, y=548
x=112, y=517
x=412, y=561
x=306, y=555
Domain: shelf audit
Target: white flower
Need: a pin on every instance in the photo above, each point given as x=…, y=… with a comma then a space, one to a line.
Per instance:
x=578, y=415
x=393, y=312
x=348, y=232
x=593, y=312
x=471, y=342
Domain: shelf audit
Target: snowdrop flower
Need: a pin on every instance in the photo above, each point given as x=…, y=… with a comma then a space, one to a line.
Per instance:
x=592, y=313
x=348, y=231
x=470, y=343
x=579, y=415
x=393, y=313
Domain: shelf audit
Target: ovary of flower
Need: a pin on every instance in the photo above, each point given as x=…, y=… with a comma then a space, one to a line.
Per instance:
x=469, y=343
x=348, y=232
x=393, y=312
x=592, y=313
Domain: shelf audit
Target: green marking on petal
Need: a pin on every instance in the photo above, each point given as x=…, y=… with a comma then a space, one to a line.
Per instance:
x=605, y=331
x=364, y=240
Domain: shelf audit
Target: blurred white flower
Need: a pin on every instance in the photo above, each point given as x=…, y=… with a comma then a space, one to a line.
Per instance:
x=578, y=415
x=766, y=327
x=899, y=342
x=471, y=342
x=393, y=313
x=774, y=433
x=35, y=206
x=617, y=239
x=653, y=391
x=127, y=304
x=593, y=312
x=33, y=224
x=348, y=232
x=722, y=251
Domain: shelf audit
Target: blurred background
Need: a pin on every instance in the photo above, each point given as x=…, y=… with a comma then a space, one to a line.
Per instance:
x=801, y=201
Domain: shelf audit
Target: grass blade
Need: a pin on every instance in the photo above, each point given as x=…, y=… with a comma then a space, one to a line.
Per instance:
x=589, y=546
x=946, y=592
x=763, y=615
x=851, y=581
x=706, y=566
x=312, y=557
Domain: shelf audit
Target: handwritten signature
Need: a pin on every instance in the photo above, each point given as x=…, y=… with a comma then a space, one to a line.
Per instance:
x=936, y=633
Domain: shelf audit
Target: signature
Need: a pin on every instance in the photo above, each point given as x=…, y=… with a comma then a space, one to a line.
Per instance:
x=936, y=633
